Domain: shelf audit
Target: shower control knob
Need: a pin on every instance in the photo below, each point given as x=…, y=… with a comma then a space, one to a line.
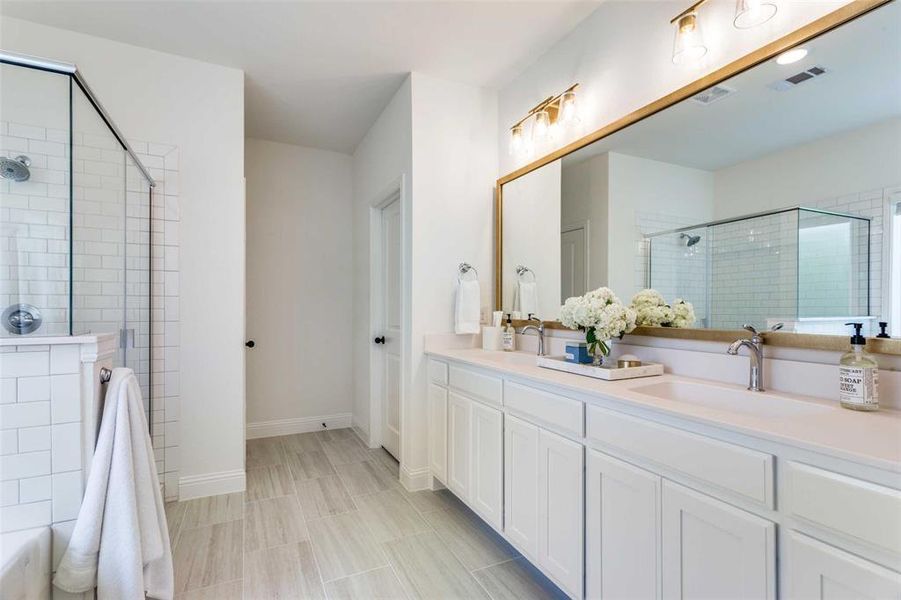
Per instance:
x=250, y=344
x=380, y=340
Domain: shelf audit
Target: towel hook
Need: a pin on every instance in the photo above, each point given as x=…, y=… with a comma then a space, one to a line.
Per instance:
x=465, y=268
x=522, y=270
x=105, y=375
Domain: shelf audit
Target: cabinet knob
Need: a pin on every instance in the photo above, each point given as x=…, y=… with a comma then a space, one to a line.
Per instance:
x=250, y=343
x=380, y=340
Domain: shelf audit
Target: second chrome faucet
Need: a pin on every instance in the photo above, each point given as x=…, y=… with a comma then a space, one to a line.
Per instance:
x=755, y=349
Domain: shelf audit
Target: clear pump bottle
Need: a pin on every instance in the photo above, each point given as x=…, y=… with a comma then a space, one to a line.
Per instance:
x=858, y=375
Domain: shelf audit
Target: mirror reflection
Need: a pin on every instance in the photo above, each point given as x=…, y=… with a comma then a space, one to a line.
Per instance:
x=791, y=213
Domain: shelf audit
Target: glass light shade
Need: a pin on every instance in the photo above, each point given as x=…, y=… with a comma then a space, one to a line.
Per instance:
x=568, y=114
x=751, y=13
x=517, y=142
x=689, y=43
x=541, y=126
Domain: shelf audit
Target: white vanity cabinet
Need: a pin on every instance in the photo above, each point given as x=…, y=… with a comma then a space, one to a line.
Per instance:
x=818, y=571
x=458, y=445
x=521, y=460
x=486, y=493
x=711, y=549
x=438, y=431
x=560, y=510
x=613, y=502
x=622, y=528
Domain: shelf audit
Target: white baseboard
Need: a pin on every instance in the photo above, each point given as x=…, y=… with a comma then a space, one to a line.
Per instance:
x=362, y=435
x=415, y=480
x=210, y=484
x=263, y=429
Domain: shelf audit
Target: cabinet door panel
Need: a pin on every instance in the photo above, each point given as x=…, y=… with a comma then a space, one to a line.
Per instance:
x=458, y=445
x=817, y=571
x=623, y=529
x=486, y=492
x=438, y=431
x=561, y=501
x=714, y=550
x=521, y=485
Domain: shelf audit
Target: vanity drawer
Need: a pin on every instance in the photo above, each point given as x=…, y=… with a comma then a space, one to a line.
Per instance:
x=437, y=371
x=740, y=470
x=867, y=512
x=553, y=411
x=481, y=387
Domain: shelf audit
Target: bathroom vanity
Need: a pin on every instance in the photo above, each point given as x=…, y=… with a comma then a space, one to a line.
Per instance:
x=669, y=487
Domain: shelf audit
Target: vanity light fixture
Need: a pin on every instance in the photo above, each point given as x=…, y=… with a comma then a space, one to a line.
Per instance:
x=688, y=45
x=545, y=121
x=791, y=56
x=751, y=13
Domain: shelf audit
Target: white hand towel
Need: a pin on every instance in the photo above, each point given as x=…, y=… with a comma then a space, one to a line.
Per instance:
x=528, y=298
x=466, y=315
x=120, y=543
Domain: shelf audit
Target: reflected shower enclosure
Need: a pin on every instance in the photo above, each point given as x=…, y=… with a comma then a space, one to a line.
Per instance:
x=74, y=214
x=805, y=267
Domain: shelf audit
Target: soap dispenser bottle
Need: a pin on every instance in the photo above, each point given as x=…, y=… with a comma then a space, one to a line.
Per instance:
x=509, y=336
x=858, y=375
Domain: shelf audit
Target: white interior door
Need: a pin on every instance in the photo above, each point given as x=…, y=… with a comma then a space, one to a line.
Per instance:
x=389, y=338
x=572, y=257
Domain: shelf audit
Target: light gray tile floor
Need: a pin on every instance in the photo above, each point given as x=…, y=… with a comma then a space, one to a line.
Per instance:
x=325, y=517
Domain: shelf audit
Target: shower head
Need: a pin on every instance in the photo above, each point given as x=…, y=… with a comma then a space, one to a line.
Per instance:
x=15, y=168
x=692, y=239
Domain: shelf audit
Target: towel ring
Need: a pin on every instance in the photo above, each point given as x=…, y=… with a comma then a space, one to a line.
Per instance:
x=522, y=270
x=466, y=268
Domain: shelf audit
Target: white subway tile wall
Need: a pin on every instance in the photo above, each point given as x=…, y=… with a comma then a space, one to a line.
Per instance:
x=117, y=236
x=678, y=271
x=37, y=454
x=782, y=267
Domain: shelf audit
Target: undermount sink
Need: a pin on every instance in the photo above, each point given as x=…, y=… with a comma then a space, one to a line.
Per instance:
x=759, y=404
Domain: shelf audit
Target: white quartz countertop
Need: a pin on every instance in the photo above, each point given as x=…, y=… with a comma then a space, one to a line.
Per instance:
x=872, y=438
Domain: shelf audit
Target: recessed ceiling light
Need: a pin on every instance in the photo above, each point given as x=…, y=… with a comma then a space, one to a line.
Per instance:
x=791, y=56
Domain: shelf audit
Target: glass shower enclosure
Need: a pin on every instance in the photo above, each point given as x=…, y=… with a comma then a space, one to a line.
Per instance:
x=807, y=267
x=75, y=215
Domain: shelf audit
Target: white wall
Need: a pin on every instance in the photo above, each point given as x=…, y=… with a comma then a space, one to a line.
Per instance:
x=454, y=169
x=584, y=191
x=299, y=283
x=381, y=162
x=532, y=210
x=437, y=137
x=622, y=57
x=198, y=107
x=847, y=163
x=643, y=188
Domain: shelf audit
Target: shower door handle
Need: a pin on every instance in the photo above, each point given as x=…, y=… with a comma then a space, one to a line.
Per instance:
x=126, y=338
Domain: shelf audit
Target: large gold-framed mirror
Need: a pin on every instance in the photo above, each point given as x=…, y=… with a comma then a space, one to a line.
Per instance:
x=762, y=193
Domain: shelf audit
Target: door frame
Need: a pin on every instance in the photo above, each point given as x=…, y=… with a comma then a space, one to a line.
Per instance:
x=584, y=225
x=396, y=191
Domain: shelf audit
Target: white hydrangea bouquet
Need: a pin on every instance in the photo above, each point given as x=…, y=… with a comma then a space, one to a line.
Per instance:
x=602, y=317
x=651, y=310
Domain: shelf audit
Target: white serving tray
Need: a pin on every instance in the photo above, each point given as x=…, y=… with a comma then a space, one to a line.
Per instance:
x=610, y=373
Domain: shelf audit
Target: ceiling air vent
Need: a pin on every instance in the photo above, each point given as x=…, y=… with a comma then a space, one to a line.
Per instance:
x=797, y=79
x=711, y=95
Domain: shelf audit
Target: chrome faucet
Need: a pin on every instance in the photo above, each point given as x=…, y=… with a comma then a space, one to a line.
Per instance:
x=539, y=329
x=755, y=348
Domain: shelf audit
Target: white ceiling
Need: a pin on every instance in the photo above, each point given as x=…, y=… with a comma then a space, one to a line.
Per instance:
x=862, y=86
x=319, y=73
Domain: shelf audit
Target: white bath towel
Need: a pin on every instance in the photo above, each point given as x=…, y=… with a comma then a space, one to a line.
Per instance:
x=527, y=295
x=120, y=543
x=466, y=315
